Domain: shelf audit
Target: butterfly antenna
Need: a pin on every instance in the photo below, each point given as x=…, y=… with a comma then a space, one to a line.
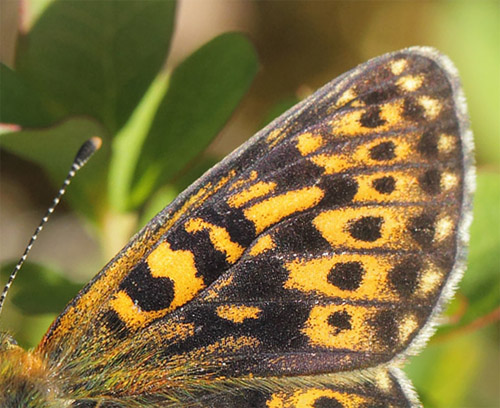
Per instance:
x=83, y=155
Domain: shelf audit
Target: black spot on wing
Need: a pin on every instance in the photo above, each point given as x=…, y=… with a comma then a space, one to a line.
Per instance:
x=338, y=190
x=404, y=276
x=148, y=292
x=430, y=181
x=436, y=82
x=340, y=321
x=427, y=145
x=299, y=236
x=422, y=228
x=327, y=402
x=280, y=325
x=384, y=185
x=380, y=95
x=366, y=228
x=383, y=151
x=377, y=77
x=346, y=275
x=277, y=330
x=412, y=110
x=371, y=117
x=386, y=327
x=255, y=279
x=287, y=166
x=289, y=169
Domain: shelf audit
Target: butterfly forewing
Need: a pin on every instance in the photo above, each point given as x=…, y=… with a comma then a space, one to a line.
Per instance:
x=299, y=269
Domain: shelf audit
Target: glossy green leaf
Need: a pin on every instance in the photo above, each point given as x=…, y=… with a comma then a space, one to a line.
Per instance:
x=203, y=93
x=20, y=104
x=96, y=58
x=443, y=372
x=40, y=289
x=128, y=143
x=481, y=283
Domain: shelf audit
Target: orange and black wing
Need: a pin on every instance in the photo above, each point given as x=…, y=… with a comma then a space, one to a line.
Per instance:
x=300, y=270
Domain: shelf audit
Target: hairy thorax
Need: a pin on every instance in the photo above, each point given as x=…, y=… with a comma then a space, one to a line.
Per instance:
x=25, y=380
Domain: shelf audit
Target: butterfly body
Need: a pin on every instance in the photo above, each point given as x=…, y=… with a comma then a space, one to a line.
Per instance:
x=299, y=271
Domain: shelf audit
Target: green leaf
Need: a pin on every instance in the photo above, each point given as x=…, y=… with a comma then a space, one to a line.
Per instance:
x=128, y=143
x=204, y=91
x=40, y=289
x=443, y=372
x=19, y=103
x=480, y=284
x=96, y=58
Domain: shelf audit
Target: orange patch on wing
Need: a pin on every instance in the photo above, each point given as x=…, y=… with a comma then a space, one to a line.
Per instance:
x=361, y=157
x=349, y=123
x=406, y=187
x=263, y=244
x=259, y=189
x=271, y=210
x=128, y=312
x=238, y=313
x=178, y=266
x=359, y=337
x=345, y=98
x=308, y=143
x=313, y=276
x=307, y=397
x=334, y=226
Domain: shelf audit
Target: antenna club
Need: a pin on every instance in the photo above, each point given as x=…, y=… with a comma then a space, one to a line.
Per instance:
x=97, y=141
x=87, y=150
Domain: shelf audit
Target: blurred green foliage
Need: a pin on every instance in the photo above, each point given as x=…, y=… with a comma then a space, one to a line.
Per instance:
x=96, y=68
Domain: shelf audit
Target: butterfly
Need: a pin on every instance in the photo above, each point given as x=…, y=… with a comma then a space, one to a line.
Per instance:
x=300, y=271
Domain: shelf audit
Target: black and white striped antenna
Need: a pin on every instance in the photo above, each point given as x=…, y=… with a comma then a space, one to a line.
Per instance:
x=83, y=155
